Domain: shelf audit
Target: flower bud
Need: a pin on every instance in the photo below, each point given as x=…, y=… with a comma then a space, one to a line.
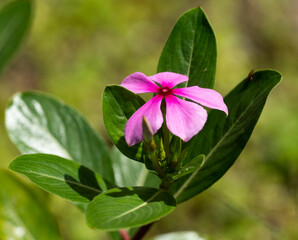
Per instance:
x=148, y=135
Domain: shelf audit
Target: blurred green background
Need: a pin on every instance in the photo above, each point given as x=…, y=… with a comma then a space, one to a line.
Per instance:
x=75, y=48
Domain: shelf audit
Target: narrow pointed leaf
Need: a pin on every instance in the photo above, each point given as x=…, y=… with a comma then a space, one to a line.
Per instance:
x=222, y=139
x=14, y=23
x=191, y=50
x=60, y=176
x=38, y=123
x=23, y=212
x=118, y=104
x=120, y=208
x=189, y=168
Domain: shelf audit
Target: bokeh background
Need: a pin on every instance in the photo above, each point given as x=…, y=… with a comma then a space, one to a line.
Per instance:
x=76, y=47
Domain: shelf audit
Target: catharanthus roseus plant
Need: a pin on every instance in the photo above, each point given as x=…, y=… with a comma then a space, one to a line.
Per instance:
x=167, y=150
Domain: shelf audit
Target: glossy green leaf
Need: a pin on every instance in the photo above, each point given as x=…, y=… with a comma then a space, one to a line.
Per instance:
x=60, y=176
x=191, y=50
x=189, y=168
x=131, y=173
x=14, y=23
x=179, y=236
x=223, y=138
x=38, y=123
x=23, y=212
x=128, y=207
x=118, y=104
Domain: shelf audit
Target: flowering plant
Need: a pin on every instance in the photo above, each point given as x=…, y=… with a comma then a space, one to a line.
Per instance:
x=166, y=150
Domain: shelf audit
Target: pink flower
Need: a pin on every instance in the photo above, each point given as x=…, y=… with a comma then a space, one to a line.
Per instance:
x=183, y=118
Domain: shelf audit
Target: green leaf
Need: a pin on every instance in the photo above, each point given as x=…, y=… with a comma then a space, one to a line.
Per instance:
x=118, y=104
x=38, y=123
x=191, y=50
x=179, y=236
x=131, y=173
x=60, y=176
x=222, y=139
x=23, y=212
x=128, y=207
x=189, y=168
x=14, y=23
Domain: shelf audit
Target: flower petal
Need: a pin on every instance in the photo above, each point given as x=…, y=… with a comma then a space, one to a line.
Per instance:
x=168, y=79
x=204, y=96
x=152, y=112
x=184, y=119
x=139, y=83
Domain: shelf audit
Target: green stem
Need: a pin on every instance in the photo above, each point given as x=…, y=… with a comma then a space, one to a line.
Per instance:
x=156, y=164
x=181, y=157
x=165, y=184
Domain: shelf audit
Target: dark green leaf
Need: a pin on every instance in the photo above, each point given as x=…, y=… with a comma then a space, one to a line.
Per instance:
x=118, y=104
x=23, y=212
x=128, y=207
x=38, y=123
x=222, y=139
x=60, y=176
x=14, y=23
x=131, y=173
x=190, y=167
x=191, y=49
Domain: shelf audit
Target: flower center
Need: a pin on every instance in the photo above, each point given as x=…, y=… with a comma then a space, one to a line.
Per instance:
x=165, y=91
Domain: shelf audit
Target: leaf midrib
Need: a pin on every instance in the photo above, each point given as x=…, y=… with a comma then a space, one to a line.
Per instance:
x=63, y=180
x=192, y=49
x=135, y=208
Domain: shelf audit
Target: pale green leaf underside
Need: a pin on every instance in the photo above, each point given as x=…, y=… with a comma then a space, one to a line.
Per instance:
x=131, y=173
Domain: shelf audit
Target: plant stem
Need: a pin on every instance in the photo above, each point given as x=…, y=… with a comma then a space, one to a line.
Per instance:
x=156, y=164
x=142, y=231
